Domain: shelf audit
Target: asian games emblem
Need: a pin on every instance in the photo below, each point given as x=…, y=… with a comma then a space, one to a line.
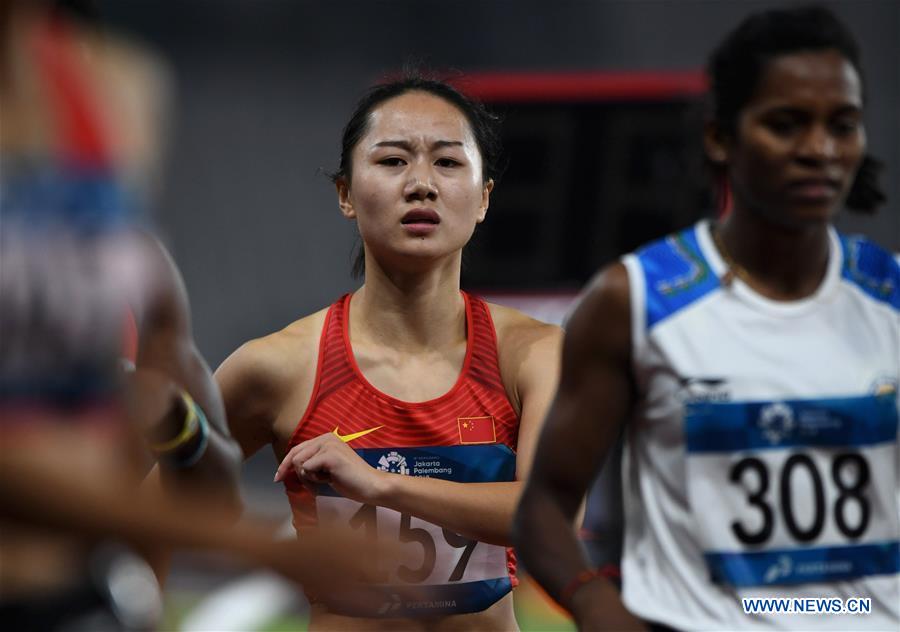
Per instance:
x=884, y=385
x=393, y=462
x=776, y=421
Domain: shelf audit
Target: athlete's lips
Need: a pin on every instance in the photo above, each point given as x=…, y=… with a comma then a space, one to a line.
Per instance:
x=421, y=216
x=814, y=188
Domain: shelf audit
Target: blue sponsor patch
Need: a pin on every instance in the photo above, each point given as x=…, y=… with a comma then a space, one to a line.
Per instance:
x=835, y=422
x=801, y=566
x=458, y=463
x=420, y=601
x=84, y=199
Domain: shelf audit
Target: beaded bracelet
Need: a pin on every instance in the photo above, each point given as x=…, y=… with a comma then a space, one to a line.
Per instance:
x=582, y=578
x=610, y=572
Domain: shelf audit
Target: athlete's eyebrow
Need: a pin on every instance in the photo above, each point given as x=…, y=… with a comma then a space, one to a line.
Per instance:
x=401, y=144
x=792, y=110
x=406, y=145
x=446, y=143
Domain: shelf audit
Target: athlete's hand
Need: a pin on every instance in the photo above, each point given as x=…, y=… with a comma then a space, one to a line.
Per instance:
x=327, y=459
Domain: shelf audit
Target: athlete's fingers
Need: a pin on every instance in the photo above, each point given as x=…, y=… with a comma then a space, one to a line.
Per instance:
x=315, y=467
x=314, y=478
x=298, y=455
x=285, y=466
x=295, y=459
x=321, y=439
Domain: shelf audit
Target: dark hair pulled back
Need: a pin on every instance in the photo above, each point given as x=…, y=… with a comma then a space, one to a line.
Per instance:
x=485, y=128
x=737, y=65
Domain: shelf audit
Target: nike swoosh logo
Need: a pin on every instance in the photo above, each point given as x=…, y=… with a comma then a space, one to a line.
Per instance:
x=354, y=435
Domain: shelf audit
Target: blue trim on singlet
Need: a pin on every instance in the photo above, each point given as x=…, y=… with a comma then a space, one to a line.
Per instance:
x=458, y=463
x=832, y=422
x=423, y=601
x=872, y=269
x=70, y=387
x=81, y=198
x=40, y=200
x=676, y=274
x=789, y=567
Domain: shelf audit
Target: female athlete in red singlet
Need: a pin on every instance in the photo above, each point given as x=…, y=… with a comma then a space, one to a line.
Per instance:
x=408, y=409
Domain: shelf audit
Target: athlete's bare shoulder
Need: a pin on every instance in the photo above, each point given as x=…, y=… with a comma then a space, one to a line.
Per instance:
x=527, y=348
x=280, y=358
x=602, y=315
x=135, y=90
x=263, y=374
x=517, y=331
x=608, y=289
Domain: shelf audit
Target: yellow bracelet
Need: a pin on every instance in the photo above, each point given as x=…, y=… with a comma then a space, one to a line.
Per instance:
x=188, y=430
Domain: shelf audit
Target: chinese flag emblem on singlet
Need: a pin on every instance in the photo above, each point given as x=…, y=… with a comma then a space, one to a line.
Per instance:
x=476, y=430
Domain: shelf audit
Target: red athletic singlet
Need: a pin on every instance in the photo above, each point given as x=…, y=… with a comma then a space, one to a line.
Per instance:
x=467, y=435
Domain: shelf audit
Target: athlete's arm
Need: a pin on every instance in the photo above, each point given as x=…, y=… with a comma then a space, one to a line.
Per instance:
x=261, y=375
x=480, y=511
x=593, y=401
x=536, y=364
x=58, y=480
x=166, y=347
x=248, y=397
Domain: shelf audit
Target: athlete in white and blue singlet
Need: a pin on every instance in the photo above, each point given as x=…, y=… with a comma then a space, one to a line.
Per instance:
x=756, y=362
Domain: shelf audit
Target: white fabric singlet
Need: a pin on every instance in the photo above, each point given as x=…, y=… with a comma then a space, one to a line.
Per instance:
x=762, y=461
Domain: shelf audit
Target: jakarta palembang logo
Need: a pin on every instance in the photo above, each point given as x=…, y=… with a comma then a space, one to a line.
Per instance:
x=776, y=421
x=393, y=462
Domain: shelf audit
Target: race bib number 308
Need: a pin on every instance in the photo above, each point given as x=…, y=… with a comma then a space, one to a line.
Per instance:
x=796, y=491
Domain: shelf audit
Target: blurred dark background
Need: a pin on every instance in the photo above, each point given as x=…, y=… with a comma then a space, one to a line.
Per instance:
x=263, y=88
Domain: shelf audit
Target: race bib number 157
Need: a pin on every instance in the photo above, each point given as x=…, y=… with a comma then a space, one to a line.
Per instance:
x=452, y=574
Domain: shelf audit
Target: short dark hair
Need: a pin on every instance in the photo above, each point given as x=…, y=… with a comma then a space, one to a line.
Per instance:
x=485, y=128
x=736, y=67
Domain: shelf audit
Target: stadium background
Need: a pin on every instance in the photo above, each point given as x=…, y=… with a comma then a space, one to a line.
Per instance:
x=263, y=88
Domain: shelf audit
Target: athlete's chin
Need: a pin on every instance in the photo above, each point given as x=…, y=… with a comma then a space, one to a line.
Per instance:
x=428, y=249
x=803, y=215
x=815, y=209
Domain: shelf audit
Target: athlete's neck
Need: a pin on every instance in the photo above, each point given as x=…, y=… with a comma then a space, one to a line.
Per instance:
x=780, y=262
x=409, y=310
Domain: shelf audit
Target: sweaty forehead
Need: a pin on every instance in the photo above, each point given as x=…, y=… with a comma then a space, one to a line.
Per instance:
x=418, y=117
x=826, y=77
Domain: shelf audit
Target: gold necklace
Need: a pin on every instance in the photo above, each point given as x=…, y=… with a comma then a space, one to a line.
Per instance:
x=733, y=268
